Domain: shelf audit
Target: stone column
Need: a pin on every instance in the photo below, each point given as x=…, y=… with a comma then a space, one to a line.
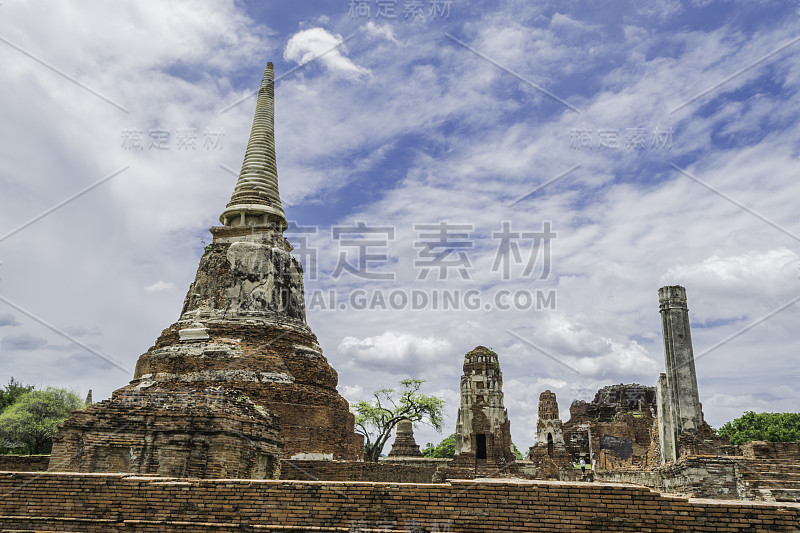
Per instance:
x=680, y=398
x=666, y=422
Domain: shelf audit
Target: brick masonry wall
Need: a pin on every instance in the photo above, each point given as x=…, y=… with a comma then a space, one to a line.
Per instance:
x=701, y=477
x=771, y=450
x=417, y=471
x=24, y=463
x=108, y=503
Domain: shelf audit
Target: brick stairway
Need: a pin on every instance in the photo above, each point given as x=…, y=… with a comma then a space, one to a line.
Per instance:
x=769, y=480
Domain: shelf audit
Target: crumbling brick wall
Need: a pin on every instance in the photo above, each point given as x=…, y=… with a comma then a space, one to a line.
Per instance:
x=171, y=432
x=24, y=463
x=789, y=451
x=617, y=426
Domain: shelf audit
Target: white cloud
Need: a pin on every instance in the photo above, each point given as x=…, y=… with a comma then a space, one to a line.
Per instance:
x=776, y=268
x=394, y=350
x=381, y=31
x=161, y=286
x=352, y=393
x=318, y=44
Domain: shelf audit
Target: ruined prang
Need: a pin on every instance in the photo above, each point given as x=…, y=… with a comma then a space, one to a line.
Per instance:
x=678, y=401
x=483, y=434
x=241, y=354
x=548, y=427
x=549, y=453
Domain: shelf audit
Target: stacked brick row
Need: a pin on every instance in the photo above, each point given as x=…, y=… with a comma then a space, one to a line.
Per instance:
x=417, y=472
x=24, y=463
x=109, y=503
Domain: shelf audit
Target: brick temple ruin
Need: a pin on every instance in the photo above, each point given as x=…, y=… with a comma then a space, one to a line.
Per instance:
x=240, y=357
x=232, y=422
x=616, y=429
x=483, y=431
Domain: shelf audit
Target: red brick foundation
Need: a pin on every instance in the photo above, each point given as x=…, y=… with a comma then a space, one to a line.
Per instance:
x=108, y=503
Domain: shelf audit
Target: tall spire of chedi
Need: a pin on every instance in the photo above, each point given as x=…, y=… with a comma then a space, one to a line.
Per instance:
x=256, y=199
x=241, y=352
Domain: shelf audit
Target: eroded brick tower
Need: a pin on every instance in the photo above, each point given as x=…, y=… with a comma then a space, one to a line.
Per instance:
x=483, y=434
x=241, y=339
x=549, y=453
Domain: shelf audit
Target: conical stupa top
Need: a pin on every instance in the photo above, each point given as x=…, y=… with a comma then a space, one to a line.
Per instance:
x=256, y=199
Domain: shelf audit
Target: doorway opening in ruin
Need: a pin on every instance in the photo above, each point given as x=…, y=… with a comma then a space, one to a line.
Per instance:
x=480, y=446
x=550, y=445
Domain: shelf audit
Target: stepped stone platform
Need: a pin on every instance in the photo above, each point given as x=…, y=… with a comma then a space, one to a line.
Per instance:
x=769, y=480
x=92, y=503
x=755, y=471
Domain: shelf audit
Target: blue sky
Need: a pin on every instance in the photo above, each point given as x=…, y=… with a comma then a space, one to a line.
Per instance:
x=661, y=143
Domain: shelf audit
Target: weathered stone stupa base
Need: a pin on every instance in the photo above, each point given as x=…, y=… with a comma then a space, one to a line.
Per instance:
x=171, y=432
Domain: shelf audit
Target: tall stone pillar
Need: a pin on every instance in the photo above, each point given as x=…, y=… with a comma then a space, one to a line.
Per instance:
x=666, y=426
x=678, y=398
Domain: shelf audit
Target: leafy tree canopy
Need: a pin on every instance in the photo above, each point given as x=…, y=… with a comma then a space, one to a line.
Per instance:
x=517, y=453
x=444, y=450
x=12, y=392
x=376, y=418
x=28, y=426
x=772, y=427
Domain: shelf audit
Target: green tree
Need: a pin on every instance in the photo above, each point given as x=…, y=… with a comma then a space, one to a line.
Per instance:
x=12, y=392
x=444, y=450
x=773, y=427
x=28, y=426
x=517, y=453
x=376, y=418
